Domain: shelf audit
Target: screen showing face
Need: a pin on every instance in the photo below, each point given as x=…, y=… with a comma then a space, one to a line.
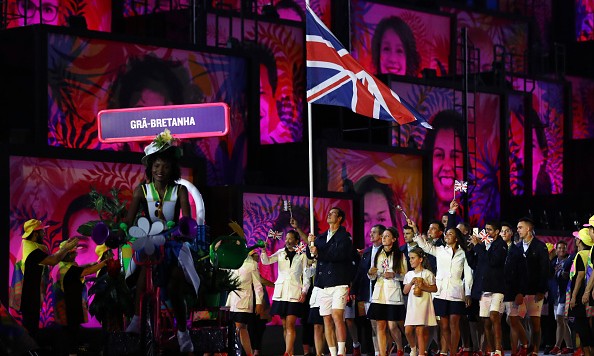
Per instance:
x=56, y=192
x=96, y=13
x=486, y=32
x=384, y=180
x=391, y=40
x=447, y=149
x=81, y=83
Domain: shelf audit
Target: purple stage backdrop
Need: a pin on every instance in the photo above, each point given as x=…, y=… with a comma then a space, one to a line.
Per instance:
x=282, y=74
x=97, y=13
x=584, y=20
x=487, y=31
x=516, y=122
x=582, y=107
x=293, y=10
x=546, y=117
x=88, y=75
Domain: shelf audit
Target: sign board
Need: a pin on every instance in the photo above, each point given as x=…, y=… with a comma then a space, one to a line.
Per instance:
x=143, y=124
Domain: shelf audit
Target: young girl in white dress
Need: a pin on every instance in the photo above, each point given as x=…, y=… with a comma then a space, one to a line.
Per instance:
x=419, y=312
x=290, y=288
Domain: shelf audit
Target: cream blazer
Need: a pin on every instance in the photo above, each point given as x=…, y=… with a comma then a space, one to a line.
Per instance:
x=454, y=275
x=290, y=282
x=241, y=300
x=388, y=290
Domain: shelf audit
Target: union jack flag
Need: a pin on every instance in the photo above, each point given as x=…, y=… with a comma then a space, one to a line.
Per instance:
x=485, y=238
x=334, y=77
x=460, y=186
x=300, y=248
x=385, y=264
x=275, y=234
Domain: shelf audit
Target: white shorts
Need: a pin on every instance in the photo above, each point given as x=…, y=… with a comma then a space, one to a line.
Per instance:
x=559, y=311
x=332, y=298
x=512, y=309
x=533, y=308
x=491, y=302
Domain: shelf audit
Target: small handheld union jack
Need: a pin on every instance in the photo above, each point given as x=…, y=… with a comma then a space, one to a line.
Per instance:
x=460, y=186
x=485, y=238
x=386, y=265
x=277, y=235
x=300, y=248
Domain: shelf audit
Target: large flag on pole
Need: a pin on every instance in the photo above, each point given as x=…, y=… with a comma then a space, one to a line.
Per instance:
x=334, y=77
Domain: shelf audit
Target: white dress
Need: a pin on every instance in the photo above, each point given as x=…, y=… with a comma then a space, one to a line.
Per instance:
x=419, y=310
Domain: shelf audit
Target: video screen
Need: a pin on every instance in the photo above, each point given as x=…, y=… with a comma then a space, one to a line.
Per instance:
x=390, y=40
x=97, y=13
x=546, y=116
x=81, y=82
x=582, y=107
x=293, y=10
x=584, y=20
x=447, y=150
x=516, y=124
x=55, y=191
x=485, y=32
x=280, y=51
x=539, y=10
x=384, y=181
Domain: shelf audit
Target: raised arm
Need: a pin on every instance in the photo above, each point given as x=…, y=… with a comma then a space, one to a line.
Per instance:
x=55, y=258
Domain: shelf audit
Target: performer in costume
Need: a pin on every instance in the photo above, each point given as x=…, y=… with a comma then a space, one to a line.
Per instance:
x=241, y=301
x=72, y=285
x=161, y=200
x=290, y=288
x=34, y=260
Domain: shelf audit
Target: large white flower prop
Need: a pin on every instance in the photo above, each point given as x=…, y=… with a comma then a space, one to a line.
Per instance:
x=148, y=237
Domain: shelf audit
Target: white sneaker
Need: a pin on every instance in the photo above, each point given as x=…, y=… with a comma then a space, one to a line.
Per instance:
x=414, y=351
x=134, y=326
x=185, y=341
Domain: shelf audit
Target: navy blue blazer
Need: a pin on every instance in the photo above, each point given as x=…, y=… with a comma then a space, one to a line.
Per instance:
x=538, y=265
x=335, y=262
x=493, y=261
x=514, y=273
x=361, y=281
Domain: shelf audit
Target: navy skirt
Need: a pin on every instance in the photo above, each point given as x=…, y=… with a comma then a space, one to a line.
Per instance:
x=283, y=309
x=386, y=312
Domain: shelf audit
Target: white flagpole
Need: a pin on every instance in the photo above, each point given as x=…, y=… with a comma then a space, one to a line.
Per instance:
x=310, y=144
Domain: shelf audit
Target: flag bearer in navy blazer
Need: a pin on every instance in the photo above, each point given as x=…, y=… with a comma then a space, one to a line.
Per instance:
x=333, y=251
